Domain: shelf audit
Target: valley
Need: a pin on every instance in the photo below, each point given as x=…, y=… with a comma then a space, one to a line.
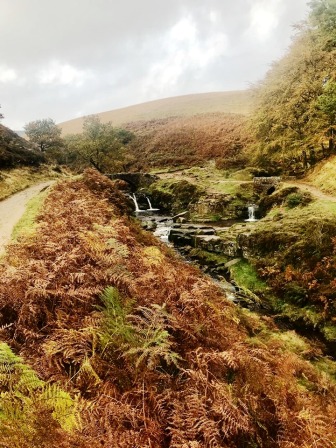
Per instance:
x=174, y=286
x=148, y=330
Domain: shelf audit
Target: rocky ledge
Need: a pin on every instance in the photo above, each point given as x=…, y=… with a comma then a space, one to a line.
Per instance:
x=228, y=241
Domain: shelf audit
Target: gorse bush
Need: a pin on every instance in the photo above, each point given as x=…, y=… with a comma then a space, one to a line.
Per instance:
x=155, y=352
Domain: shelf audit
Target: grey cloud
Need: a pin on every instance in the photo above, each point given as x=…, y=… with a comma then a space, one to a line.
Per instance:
x=71, y=57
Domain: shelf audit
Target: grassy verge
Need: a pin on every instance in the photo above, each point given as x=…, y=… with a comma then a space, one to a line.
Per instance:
x=13, y=181
x=323, y=176
x=246, y=276
x=27, y=225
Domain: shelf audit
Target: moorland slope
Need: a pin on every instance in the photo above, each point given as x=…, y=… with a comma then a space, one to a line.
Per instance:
x=16, y=151
x=186, y=105
x=189, y=140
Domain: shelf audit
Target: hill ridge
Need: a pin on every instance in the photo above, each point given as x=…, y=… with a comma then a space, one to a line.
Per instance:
x=235, y=101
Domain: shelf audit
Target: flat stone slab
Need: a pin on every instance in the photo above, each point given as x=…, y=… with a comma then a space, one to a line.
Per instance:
x=232, y=262
x=208, y=238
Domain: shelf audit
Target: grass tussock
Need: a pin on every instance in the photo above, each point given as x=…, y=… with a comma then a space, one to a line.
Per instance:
x=323, y=176
x=152, y=349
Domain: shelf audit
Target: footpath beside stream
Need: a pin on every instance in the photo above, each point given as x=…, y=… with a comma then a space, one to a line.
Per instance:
x=12, y=209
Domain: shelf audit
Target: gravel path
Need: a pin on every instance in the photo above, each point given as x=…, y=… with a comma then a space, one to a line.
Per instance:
x=12, y=209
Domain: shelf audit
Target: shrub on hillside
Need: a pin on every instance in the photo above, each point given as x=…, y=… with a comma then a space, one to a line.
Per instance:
x=298, y=198
x=15, y=151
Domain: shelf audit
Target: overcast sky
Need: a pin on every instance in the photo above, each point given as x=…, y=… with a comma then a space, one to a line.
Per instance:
x=67, y=58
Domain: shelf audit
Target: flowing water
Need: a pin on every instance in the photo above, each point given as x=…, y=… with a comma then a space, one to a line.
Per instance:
x=150, y=206
x=251, y=214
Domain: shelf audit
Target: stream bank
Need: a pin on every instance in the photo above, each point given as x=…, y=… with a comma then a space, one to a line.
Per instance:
x=263, y=264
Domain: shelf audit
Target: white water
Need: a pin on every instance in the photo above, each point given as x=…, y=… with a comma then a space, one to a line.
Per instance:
x=137, y=208
x=151, y=209
x=162, y=231
x=251, y=214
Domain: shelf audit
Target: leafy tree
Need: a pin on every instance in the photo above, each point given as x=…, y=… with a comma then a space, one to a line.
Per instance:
x=322, y=17
x=100, y=145
x=294, y=103
x=44, y=133
x=327, y=101
x=1, y=115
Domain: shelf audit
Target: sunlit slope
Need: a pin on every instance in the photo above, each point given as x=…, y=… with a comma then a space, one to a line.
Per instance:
x=323, y=176
x=233, y=102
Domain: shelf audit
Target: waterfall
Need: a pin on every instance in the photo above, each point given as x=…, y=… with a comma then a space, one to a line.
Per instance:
x=251, y=214
x=151, y=209
x=138, y=209
x=134, y=199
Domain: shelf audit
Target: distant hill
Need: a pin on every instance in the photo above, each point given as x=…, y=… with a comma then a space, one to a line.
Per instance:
x=238, y=102
x=188, y=140
x=16, y=151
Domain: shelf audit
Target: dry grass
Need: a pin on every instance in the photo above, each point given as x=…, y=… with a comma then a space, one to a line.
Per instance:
x=161, y=359
x=12, y=181
x=225, y=102
x=323, y=176
x=186, y=141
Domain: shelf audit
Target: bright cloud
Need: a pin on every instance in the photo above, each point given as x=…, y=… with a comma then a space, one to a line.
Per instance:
x=7, y=74
x=62, y=74
x=108, y=54
x=184, y=50
x=264, y=18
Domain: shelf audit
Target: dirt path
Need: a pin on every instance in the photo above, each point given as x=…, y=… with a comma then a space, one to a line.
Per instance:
x=313, y=190
x=209, y=183
x=12, y=208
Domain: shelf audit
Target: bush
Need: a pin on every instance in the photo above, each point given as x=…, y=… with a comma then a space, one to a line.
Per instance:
x=296, y=294
x=299, y=198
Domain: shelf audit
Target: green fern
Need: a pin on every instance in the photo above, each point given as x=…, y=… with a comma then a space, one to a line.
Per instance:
x=22, y=392
x=64, y=408
x=14, y=374
x=115, y=330
x=154, y=343
x=142, y=336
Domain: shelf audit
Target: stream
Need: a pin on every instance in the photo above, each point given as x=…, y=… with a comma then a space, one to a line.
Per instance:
x=161, y=226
